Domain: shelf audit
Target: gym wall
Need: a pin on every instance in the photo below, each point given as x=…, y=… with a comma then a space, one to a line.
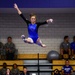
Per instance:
x=11, y=24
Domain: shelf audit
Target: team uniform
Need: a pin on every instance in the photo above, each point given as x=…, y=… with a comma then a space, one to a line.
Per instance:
x=67, y=69
x=73, y=46
x=33, y=29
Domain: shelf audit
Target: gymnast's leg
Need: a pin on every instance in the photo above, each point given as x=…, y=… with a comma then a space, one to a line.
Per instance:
x=39, y=42
x=27, y=40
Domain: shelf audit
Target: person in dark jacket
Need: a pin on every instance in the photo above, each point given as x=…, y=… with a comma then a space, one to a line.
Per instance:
x=3, y=69
x=25, y=72
x=15, y=70
x=2, y=51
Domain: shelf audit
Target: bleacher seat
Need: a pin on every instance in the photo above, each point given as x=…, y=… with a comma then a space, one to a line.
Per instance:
x=9, y=63
x=57, y=64
x=32, y=56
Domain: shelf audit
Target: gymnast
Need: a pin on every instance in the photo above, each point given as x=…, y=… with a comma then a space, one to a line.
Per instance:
x=32, y=27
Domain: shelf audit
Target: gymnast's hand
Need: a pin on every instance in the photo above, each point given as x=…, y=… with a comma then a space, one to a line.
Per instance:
x=49, y=20
x=16, y=7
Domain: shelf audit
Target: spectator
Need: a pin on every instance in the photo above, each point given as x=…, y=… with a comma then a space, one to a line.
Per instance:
x=1, y=47
x=15, y=70
x=10, y=49
x=25, y=72
x=73, y=47
x=4, y=69
x=8, y=72
x=67, y=69
x=56, y=72
x=65, y=47
x=1, y=50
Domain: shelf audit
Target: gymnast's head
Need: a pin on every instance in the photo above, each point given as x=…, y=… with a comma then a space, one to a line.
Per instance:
x=33, y=18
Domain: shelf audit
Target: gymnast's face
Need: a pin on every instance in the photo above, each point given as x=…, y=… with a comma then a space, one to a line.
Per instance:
x=33, y=19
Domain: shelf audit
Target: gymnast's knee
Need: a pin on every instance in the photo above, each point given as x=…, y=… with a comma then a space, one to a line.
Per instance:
x=29, y=41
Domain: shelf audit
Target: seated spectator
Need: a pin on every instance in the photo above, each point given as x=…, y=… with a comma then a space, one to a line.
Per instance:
x=65, y=47
x=25, y=72
x=73, y=47
x=67, y=69
x=15, y=70
x=10, y=49
x=1, y=49
x=1, y=45
x=4, y=69
x=8, y=72
x=56, y=72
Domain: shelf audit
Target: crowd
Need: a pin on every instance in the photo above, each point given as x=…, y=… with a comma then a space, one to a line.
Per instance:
x=8, y=51
x=14, y=71
x=67, y=48
x=66, y=70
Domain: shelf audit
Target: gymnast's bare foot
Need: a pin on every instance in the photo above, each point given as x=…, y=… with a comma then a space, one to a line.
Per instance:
x=43, y=45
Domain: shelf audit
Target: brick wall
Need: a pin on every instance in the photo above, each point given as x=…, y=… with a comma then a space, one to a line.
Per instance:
x=51, y=34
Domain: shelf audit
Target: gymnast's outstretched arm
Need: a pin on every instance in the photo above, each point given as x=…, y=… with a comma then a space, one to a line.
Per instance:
x=45, y=22
x=16, y=7
x=20, y=13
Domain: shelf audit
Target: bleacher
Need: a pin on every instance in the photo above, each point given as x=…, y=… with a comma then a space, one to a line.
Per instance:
x=59, y=63
x=33, y=62
x=31, y=56
x=11, y=62
x=37, y=63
